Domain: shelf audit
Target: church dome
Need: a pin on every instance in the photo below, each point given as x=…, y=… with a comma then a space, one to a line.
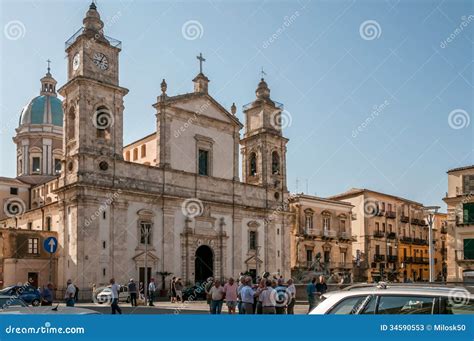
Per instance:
x=43, y=110
x=46, y=108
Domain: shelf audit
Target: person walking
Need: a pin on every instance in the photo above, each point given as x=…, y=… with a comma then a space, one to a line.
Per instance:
x=151, y=292
x=115, y=288
x=230, y=293
x=281, y=297
x=217, y=297
x=132, y=290
x=179, y=290
x=248, y=295
x=207, y=288
x=173, y=290
x=291, y=292
x=311, y=292
x=47, y=295
x=267, y=296
x=70, y=293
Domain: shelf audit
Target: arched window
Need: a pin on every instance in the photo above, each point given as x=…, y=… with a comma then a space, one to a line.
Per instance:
x=143, y=151
x=103, y=121
x=135, y=154
x=48, y=224
x=71, y=124
x=127, y=155
x=253, y=164
x=275, y=163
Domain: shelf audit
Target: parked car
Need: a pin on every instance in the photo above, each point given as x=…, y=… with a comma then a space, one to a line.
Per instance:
x=11, y=301
x=105, y=296
x=195, y=292
x=27, y=293
x=396, y=299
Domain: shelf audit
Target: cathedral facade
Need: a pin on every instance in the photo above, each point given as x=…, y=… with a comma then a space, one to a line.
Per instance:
x=171, y=202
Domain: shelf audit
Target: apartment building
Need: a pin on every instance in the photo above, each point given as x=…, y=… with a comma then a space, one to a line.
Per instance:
x=321, y=235
x=460, y=225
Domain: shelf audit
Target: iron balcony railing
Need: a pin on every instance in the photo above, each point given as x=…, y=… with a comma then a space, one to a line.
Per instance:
x=112, y=41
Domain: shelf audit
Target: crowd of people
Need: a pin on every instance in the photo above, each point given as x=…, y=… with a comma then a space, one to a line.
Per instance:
x=266, y=296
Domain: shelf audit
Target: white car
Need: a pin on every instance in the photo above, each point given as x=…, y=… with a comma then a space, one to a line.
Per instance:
x=396, y=299
x=105, y=296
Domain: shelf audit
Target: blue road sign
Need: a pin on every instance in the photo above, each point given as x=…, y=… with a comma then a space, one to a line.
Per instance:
x=50, y=244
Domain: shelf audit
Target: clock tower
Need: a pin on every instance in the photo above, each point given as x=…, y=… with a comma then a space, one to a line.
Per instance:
x=93, y=100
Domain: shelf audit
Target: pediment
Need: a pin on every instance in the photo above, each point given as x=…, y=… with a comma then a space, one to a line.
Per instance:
x=206, y=106
x=140, y=256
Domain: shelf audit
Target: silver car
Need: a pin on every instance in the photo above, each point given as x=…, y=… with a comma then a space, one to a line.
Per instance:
x=396, y=299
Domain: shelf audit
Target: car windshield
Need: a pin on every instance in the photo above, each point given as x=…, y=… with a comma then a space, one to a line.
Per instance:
x=5, y=290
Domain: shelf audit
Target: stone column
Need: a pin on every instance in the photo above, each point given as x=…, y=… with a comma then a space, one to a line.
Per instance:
x=236, y=242
x=168, y=244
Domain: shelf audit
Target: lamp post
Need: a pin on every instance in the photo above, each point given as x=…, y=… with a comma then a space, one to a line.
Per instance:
x=430, y=216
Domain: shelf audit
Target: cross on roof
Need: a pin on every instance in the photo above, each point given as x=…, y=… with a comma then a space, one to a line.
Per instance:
x=201, y=59
x=263, y=73
x=49, y=65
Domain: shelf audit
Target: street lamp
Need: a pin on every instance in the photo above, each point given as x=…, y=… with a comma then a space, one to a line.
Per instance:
x=431, y=212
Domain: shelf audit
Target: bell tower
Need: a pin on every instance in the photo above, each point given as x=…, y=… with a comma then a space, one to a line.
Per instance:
x=93, y=100
x=263, y=145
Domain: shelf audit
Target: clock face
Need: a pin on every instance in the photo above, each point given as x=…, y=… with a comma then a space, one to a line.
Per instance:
x=100, y=60
x=76, y=61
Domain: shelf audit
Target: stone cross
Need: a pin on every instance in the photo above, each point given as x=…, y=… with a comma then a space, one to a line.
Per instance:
x=201, y=59
x=49, y=64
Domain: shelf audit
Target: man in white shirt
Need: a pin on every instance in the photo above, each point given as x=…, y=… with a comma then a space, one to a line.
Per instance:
x=291, y=290
x=268, y=298
x=115, y=296
x=247, y=295
x=70, y=292
x=217, y=293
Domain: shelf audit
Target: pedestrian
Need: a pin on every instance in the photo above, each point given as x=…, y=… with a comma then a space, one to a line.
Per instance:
x=132, y=290
x=179, y=290
x=115, y=288
x=209, y=284
x=151, y=292
x=268, y=298
x=76, y=294
x=230, y=291
x=281, y=297
x=217, y=297
x=311, y=291
x=248, y=295
x=239, y=291
x=173, y=290
x=94, y=293
x=260, y=288
x=291, y=291
x=47, y=295
x=70, y=293
x=321, y=287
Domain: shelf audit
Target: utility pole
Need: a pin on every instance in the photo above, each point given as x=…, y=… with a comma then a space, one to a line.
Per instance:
x=431, y=212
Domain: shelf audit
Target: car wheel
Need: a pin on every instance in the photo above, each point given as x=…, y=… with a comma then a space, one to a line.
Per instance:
x=35, y=303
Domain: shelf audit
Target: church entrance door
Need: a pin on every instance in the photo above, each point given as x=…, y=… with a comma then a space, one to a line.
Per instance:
x=203, y=263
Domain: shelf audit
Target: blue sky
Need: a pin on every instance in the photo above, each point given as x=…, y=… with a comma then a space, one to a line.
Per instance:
x=388, y=108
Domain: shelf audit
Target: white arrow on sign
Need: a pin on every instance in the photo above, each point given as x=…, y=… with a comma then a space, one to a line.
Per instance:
x=51, y=244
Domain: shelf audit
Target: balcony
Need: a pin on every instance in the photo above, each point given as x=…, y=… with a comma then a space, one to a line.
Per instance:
x=380, y=213
x=419, y=241
x=379, y=258
x=345, y=236
x=312, y=232
x=392, y=259
x=391, y=214
x=405, y=239
x=444, y=230
x=404, y=219
x=329, y=234
x=391, y=235
x=379, y=234
x=420, y=260
x=408, y=260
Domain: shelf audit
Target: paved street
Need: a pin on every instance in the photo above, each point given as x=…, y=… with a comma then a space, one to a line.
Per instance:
x=168, y=308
